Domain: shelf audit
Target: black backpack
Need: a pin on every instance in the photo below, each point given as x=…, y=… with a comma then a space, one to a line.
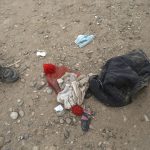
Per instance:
x=121, y=78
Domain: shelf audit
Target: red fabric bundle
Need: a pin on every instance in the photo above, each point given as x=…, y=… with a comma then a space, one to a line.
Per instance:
x=77, y=110
x=53, y=73
x=49, y=68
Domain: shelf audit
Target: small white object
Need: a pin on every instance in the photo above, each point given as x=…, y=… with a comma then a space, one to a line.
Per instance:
x=14, y=115
x=60, y=81
x=41, y=53
x=18, y=121
x=58, y=108
x=146, y=118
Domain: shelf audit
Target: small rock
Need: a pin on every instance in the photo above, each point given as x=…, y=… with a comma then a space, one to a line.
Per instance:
x=46, y=37
x=146, y=118
x=40, y=85
x=20, y=102
x=33, y=84
x=60, y=113
x=26, y=136
x=124, y=118
x=99, y=144
x=74, y=120
x=35, y=97
x=35, y=148
x=68, y=120
x=89, y=54
x=49, y=90
x=42, y=75
x=17, y=65
x=10, y=109
x=2, y=140
x=21, y=113
x=18, y=121
x=47, y=124
x=66, y=134
x=14, y=115
x=23, y=80
x=61, y=120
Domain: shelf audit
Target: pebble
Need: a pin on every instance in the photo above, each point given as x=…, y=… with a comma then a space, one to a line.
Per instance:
x=33, y=84
x=35, y=148
x=68, y=120
x=61, y=120
x=60, y=113
x=17, y=65
x=26, y=136
x=18, y=121
x=21, y=113
x=74, y=120
x=49, y=90
x=42, y=75
x=2, y=140
x=40, y=85
x=14, y=115
x=146, y=118
x=20, y=102
x=35, y=97
x=23, y=80
x=66, y=134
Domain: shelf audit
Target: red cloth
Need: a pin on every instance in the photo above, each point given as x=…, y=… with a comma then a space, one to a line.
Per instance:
x=53, y=73
x=49, y=68
x=77, y=110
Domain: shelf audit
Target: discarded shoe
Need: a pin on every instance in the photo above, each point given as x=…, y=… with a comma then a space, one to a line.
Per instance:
x=8, y=75
x=86, y=120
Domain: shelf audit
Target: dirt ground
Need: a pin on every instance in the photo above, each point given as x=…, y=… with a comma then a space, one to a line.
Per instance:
x=53, y=25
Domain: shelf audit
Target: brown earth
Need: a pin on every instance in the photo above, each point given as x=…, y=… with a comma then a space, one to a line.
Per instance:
x=53, y=25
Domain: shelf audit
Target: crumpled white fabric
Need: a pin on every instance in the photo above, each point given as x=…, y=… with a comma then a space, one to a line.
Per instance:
x=73, y=89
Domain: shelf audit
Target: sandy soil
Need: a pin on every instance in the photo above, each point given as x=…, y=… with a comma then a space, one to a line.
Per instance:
x=53, y=25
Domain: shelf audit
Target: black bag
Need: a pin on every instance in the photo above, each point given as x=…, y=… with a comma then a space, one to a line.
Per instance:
x=121, y=78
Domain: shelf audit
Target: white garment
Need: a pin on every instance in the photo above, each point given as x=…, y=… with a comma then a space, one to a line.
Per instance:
x=73, y=89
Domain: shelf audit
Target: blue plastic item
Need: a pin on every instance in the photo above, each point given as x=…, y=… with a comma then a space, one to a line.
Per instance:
x=83, y=40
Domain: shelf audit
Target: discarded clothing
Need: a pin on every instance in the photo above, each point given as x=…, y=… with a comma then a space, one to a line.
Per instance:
x=53, y=73
x=73, y=89
x=8, y=75
x=83, y=40
x=121, y=78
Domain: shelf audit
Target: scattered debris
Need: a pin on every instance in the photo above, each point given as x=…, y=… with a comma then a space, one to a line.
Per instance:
x=73, y=89
x=83, y=40
x=86, y=120
x=59, y=108
x=41, y=53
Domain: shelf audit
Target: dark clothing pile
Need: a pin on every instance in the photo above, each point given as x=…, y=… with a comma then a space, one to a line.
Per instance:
x=121, y=78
